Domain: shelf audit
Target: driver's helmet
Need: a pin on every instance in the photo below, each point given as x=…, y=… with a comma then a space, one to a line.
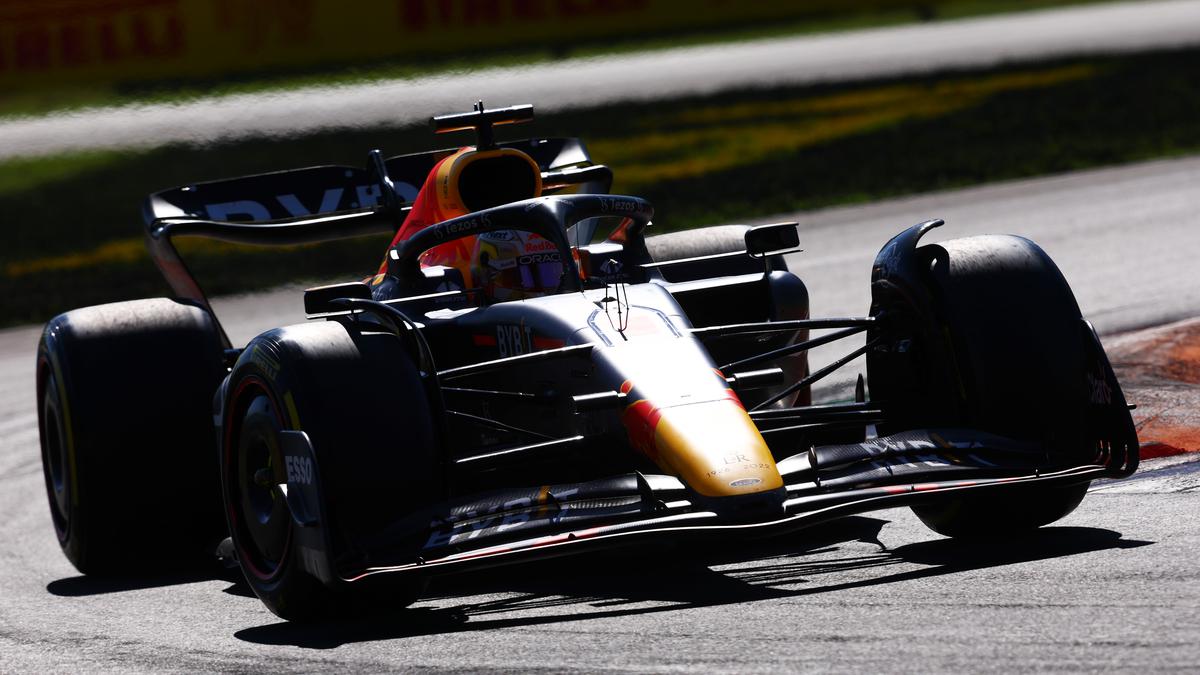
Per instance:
x=513, y=265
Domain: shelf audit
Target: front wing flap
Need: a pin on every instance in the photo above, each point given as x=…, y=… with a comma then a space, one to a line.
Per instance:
x=822, y=483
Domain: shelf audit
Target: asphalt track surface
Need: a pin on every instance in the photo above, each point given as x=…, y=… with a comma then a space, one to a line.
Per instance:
x=883, y=52
x=1112, y=587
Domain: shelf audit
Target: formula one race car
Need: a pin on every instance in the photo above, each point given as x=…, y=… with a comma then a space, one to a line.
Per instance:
x=529, y=374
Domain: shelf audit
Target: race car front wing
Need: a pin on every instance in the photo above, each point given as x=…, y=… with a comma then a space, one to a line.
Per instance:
x=822, y=483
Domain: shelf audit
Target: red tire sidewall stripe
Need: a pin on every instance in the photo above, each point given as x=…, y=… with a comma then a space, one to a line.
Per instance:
x=235, y=517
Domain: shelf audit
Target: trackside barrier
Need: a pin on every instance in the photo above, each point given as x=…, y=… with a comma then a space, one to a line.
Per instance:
x=57, y=43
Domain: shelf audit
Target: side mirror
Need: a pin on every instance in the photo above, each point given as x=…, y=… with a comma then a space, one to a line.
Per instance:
x=765, y=240
x=317, y=301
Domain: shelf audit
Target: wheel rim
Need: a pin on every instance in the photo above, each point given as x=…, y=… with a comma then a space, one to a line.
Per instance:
x=254, y=465
x=55, y=462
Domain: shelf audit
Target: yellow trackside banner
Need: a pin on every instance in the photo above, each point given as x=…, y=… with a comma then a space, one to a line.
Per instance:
x=55, y=43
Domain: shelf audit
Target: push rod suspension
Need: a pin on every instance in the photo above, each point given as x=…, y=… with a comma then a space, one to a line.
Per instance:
x=819, y=375
x=781, y=326
x=793, y=349
x=496, y=424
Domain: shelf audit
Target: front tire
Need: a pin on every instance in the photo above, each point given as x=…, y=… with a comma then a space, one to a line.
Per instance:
x=365, y=409
x=1015, y=342
x=1011, y=513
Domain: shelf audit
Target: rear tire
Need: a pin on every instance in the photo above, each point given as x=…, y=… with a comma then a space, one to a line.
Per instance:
x=1016, y=342
x=787, y=298
x=364, y=407
x=124, y=398
x=700, y=242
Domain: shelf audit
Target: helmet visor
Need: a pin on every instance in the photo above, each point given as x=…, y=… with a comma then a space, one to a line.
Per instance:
x=540, y=275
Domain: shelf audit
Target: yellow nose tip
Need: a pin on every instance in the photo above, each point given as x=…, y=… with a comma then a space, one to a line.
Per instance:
x=714, y=448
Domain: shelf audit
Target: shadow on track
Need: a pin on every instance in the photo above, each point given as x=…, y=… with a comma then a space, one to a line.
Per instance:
x=103, y=584
x=81, y=586
x=609, y=586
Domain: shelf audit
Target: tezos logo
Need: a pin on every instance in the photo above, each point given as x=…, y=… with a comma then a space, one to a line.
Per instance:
x=618, y=205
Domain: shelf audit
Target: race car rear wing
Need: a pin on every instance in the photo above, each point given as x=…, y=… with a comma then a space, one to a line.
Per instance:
x=324, y=203
x=323, y=190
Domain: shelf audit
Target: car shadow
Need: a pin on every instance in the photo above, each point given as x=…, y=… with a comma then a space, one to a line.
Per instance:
x=82, y=586
x=577, y=589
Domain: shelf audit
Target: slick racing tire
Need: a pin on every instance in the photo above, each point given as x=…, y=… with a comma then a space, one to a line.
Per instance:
x=700, y=242
x=1017, y=345
x=996, y=514
x=788, y=298
x=124, y=397
x=362, y=403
